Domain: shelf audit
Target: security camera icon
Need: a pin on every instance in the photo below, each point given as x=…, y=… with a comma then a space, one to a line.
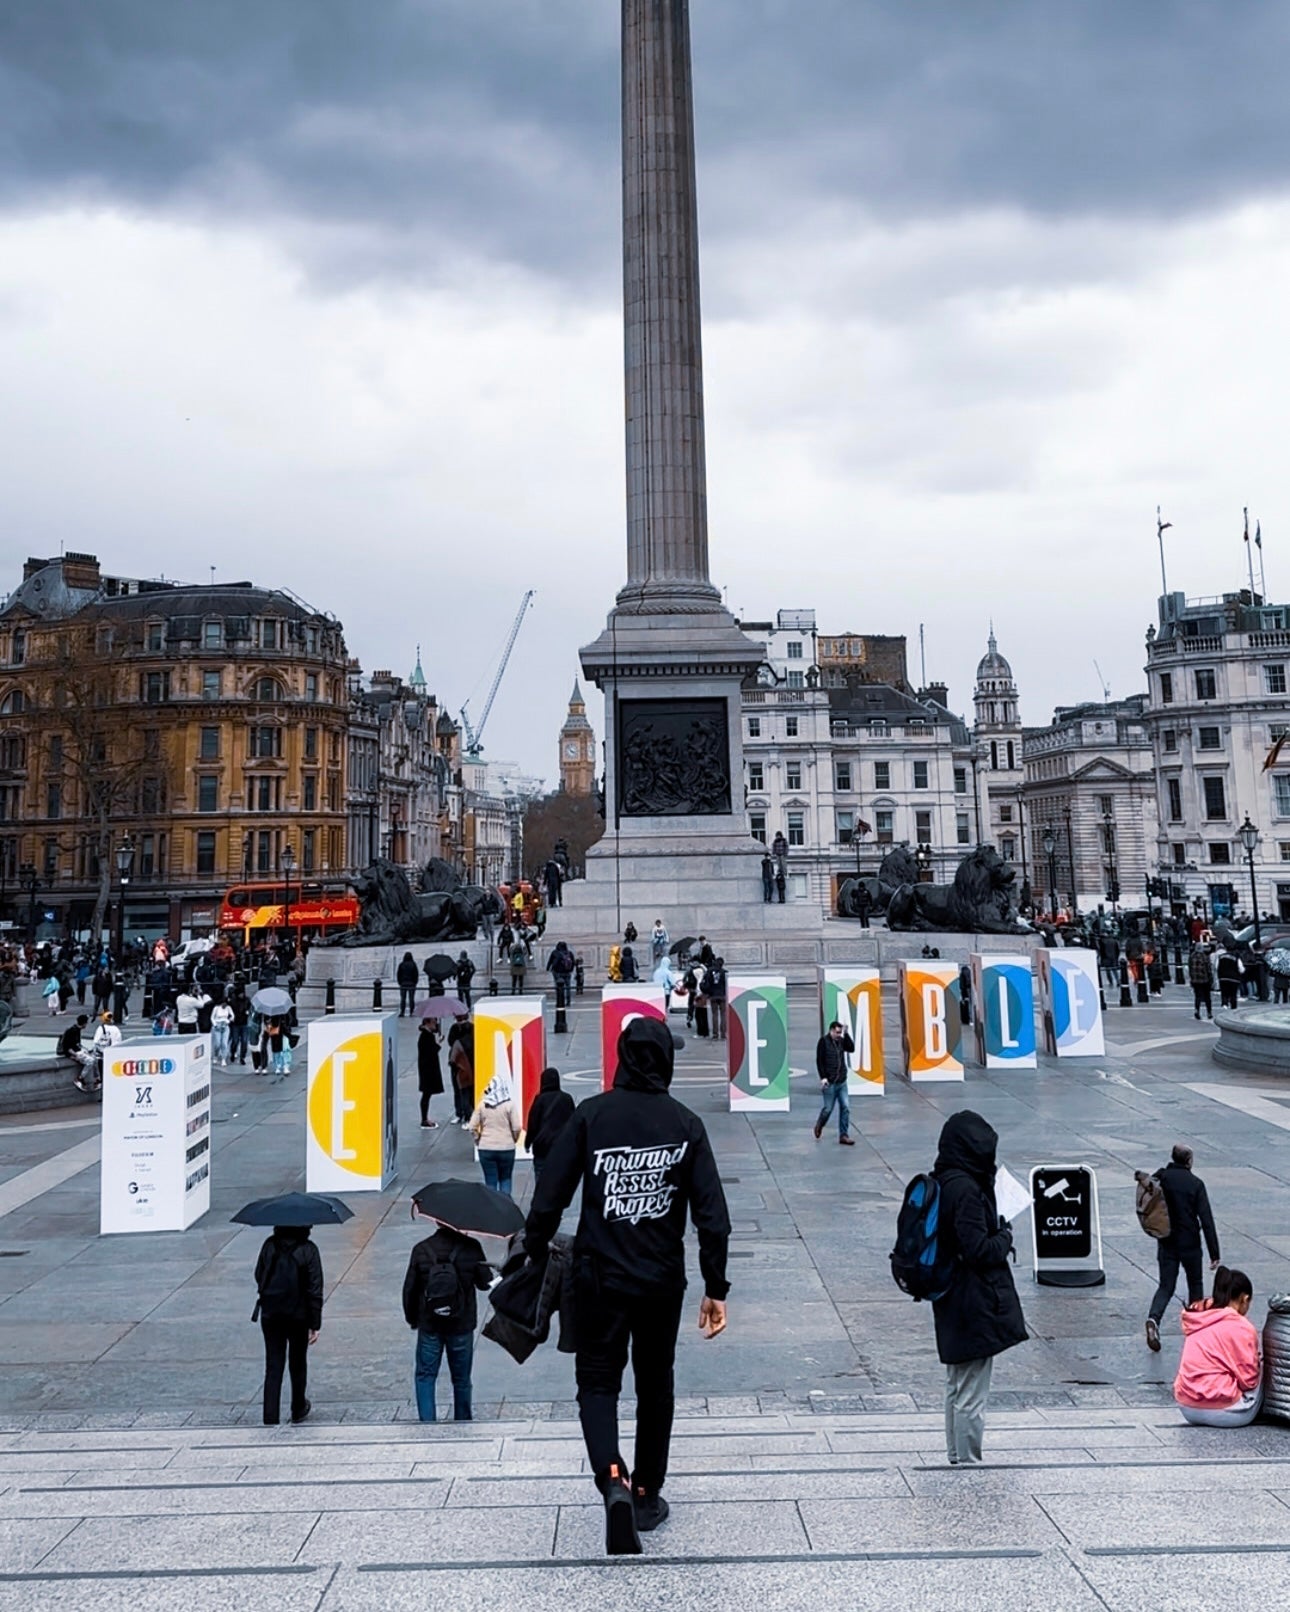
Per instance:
x=1058, y=1190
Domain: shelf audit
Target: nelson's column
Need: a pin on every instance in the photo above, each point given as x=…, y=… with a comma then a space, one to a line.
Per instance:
x=671, y=658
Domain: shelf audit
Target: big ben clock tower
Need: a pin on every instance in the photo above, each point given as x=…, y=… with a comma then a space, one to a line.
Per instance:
x=577, y=748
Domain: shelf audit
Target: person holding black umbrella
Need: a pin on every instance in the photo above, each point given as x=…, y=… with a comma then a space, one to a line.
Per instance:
x=289, y=1279
x=444, y=1273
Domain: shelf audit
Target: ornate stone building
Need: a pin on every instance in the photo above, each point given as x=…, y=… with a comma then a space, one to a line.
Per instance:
x=577, y=748
x=997, y=759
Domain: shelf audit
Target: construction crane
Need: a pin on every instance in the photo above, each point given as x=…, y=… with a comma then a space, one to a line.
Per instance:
x=474, y=736
x=1106, y=687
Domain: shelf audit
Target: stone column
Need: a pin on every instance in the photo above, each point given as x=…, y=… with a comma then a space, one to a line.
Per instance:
x=667, y=510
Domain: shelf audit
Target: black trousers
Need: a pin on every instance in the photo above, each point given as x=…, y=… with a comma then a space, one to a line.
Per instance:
x=609, y=1325
x=1170, y=1259
x=286, y=1343
x=407, y=999
x=1204, y=995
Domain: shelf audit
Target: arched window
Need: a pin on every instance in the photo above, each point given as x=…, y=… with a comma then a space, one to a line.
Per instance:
x=994, y=755
x=267, y=688
x=1011, y=759
x=13, y=702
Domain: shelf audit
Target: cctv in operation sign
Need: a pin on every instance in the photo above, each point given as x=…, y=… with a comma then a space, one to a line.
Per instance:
x=1066, y=1225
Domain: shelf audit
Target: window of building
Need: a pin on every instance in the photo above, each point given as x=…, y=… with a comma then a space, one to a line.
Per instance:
x=13, y=703
x=208, y=747
x=1215, y=799
x=1179, y=854
x=842, y=777
x=151, y=743
x=54, y=800
x=268, y=688
x=1274, y=679
x=754, y=728
x=103, y=641
x=212, y=685
x=311, y=686
x=756, y=777
x=55, y=753
x=18, y=648
x=1283, y=849
x=265, y=742
x=1012, y=759
x=13, y=753
x=51, y=859
x=1209, y=739
x=1280, y=794
x=878, y=726
x=790, y=727
x=152, y=796
x=795, y=650
x=882, y=775
x=268, y=635
x=310, y=800
x=1169, y=739
x=960, y=780
x=206, y=851
x=1005, y=814
x=264, y=852
x=155, y=637
x=207, y=792
x=962, y=829
x=920, y=775
x=1166, y=688
x=1205, y=684
x=1106, y=805
x=994, y=755
x=307, y=850
x=1173, y=787
x=10, y=803
x=757, y=825
x=846, y=827
x=797, y=680
x=793, y=775
x=1007, y=848
x=264, y=795
x=156, y=687
x=212, y=634
x=884, y=827
x=311, y=744
x=797, y=828
x=923, y=827
x=1219, y=851
x=1108, y=839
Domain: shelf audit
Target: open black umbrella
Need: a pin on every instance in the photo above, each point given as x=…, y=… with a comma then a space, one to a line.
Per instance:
x=470, y=1207
x=684, y=946
x=439, y=967
x=295, y=1209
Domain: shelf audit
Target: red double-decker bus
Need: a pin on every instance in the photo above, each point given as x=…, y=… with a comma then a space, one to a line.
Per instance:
x=314, y=907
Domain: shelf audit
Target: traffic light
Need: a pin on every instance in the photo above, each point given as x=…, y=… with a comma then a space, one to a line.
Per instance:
x=1113, y=891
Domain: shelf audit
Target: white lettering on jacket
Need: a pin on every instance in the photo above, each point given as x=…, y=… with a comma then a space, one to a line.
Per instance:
x=637, y=1180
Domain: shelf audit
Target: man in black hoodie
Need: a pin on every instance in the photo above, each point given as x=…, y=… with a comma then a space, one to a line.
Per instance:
x=979, y=1316
x=1189, y=1215
x=642, y=1161
x=551, y=1111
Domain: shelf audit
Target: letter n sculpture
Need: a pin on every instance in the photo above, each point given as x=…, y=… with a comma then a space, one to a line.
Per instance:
x=757, y=1019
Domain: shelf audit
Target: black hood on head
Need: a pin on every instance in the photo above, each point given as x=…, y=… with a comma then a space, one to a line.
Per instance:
x=646, y=1054
x=969, y=1143
x=550, y=1080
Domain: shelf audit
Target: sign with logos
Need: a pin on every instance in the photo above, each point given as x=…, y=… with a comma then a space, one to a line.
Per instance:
x=853, y=997
x=757, y=1044
x=1070, y=1002
x=352, y=1105
x=1066, y=1226
x=931, y=1026
x=1003, y=1011
x=619, y=1005
x=156, y=1131
x=510, y=1043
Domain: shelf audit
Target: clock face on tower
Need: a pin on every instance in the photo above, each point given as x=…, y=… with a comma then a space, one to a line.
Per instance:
x=571, y=750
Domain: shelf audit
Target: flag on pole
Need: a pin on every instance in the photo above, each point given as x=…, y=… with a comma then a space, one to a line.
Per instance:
x=1247, y=525
x=1270, y=759
x=1258, y=535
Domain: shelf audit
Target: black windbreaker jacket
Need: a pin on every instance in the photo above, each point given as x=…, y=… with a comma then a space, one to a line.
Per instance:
x=643, y=1161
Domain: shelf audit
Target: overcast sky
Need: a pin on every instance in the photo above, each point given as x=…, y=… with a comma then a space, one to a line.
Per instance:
x=327, y=295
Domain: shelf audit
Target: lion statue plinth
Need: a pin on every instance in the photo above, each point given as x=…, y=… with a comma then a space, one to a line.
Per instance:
x=898, y=867
x=391, y=914
x=980, y=901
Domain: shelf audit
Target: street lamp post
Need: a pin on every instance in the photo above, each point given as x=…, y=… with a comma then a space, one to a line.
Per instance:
x=27, y=876
x=1249, y=838
x=1070, y=853
x=124, y=868
x=1049, y=842
x=288, y=867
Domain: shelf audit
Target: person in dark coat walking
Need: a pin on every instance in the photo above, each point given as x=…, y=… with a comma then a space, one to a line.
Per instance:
x=831, y=1054
x=448, y=1328
x=643, y=1162
x=407, y=975
x=979, y=1316
x=1200, y=970
x=1189, y=1215
x=549, y=1113
x=1229, y=978
x=465, y=973
x=429, y=1071
x=289, y=1279
x=461, y=1064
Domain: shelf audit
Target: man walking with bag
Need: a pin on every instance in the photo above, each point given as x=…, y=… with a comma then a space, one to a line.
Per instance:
x=1189, y=1215
x=643, y=1162
x=831, y=1054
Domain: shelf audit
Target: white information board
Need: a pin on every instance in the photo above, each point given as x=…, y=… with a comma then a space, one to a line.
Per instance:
x=156, y=1134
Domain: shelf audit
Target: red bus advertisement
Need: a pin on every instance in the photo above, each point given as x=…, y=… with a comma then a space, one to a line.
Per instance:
x=254, y=905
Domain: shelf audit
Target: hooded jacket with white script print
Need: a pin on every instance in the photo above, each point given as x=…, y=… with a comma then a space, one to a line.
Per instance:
x=644, y=1163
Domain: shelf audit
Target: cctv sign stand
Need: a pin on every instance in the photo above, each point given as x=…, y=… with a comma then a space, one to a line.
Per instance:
x=1066, y=1226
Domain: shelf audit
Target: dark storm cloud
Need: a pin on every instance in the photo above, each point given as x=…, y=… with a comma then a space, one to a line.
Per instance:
x=411, y=128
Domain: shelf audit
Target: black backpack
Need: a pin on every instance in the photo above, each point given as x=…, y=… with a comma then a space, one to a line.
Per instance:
x=280, y=1290
x=443, y=1298
x=917, y=1266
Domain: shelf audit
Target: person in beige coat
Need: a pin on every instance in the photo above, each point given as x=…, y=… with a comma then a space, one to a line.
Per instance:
x=496, y=1126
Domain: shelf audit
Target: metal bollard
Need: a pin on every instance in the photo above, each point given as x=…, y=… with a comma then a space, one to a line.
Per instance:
x=1179, y=977
x=492, y=986
x=376, y=996
x=1144, y=990
x=1126, y=995
x=329, y=1001
x=579, y=976
x=561, y=1025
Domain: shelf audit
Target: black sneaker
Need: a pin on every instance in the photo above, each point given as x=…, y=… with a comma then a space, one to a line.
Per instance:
x=300, y=1416
x=651, y=1510
x=1153, y=1335
x=621, y=1537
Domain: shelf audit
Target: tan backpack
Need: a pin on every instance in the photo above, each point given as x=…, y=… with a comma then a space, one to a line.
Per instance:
x=1152, y=1210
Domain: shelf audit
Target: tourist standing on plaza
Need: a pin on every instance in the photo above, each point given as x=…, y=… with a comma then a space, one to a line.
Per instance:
x=496, y=1126
x=831, y=1054
x=561, y=965
x=643, y=1162
x=289, y=1280
x=241, y=1006
x=1229, y=972
x=445, y=1271
x=187, y=1006
x=221, y=1030
x=406, y=976
x=461, y=1065
x=1220, y=1374
x=716, y=989
x=659, y=941
x=465, y=973
x=980, y=1314
x=429, y=1072
x=767, y=878
x=551, y=1111
x=1189, y=1216
x=1200, y=970
x=519, y=962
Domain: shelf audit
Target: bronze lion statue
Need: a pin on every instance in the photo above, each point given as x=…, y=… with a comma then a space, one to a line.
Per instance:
x=980, y=901
x=392, y=914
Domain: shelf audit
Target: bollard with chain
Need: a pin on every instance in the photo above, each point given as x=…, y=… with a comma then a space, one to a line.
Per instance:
x=329, y=1000
x=1126, y=996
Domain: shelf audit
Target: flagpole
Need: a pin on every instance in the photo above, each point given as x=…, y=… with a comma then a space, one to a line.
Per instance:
x=1249, y=552
x=1258, y=543
x=1161, y=528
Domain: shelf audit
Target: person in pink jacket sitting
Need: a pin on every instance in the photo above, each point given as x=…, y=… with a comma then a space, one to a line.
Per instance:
x=1220, y=1375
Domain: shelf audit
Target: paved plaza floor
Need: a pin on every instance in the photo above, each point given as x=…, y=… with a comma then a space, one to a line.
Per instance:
x=809, y=1453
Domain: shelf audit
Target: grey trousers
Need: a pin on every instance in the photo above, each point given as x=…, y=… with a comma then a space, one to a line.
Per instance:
x=967, y=1387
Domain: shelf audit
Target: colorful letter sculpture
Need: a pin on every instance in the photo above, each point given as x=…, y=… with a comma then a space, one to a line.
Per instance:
x=352, y=1105
x=619, y=1005
x=757, y=1025
x=853, y=996
x=1003, y=1010
x=156, y=1130
x=930, y=1023
x=510, y=1041
x=1071, y=1003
